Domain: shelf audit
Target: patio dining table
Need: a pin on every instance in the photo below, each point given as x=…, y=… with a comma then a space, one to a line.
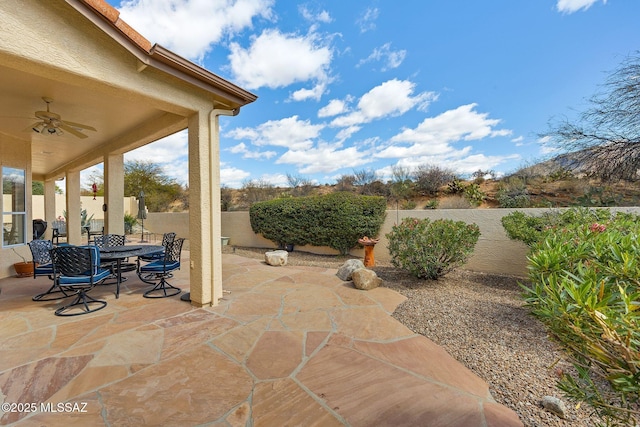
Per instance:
x=119, y=253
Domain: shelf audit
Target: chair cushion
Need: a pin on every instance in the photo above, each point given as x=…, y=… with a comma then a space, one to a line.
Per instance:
x=152, y=257
x=84, y=280
x=159, y=266
x=44, y=269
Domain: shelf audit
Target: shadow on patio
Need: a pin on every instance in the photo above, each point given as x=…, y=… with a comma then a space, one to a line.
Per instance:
x=286, y=346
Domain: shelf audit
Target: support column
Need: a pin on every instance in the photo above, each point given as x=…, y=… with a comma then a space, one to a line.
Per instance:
x=74, y=232
x=114, y=193
x=200, y=245
x=216, y=209
x=49, y=206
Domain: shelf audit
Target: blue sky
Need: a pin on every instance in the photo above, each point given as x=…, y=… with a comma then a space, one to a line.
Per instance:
x=352, y=85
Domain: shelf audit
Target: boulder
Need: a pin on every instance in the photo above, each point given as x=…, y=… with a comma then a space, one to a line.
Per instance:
x=344, y=272
x=276, y=257
x=554, y=405
x=365, y=279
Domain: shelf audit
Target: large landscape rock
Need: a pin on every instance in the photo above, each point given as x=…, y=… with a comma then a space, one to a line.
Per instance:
x=344, y=272
x=276, y=257
x=554, y=405
x=365, y=279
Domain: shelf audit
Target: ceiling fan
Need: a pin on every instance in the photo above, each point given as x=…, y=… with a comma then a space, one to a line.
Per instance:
x=52, y=124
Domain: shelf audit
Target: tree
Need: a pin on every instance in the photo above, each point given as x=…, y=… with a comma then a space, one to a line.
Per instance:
x=401, y=183
x=37, y=188
x=430, y=178
x=369, y=183
x=604, y=141
x=160, y=190
x=300, y=186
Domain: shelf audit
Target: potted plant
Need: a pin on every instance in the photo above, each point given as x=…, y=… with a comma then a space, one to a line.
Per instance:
x=24, y=268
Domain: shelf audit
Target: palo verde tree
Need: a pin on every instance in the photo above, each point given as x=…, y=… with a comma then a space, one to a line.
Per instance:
x=605, y=139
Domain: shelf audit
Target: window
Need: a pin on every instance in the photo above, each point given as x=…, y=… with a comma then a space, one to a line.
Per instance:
x=14, y=214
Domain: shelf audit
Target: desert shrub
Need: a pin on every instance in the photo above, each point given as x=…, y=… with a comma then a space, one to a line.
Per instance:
x=431, y=204
x=531, y=229
x=408, y=205
x=585, y=286
x=513, y=194
x=336, y=220
x=474, y=194
x=129, y=222
x=456, y=186
x=430, y=249
x=598, y=196
x=429, y=178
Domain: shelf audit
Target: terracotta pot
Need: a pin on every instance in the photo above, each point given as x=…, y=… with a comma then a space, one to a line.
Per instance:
x=23, y=269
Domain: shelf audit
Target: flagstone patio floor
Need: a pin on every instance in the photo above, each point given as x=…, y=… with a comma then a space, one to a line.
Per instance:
x=286, y=346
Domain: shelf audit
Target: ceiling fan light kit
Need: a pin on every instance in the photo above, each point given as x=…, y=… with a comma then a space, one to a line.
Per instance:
x=52, y=124
x=44, y=129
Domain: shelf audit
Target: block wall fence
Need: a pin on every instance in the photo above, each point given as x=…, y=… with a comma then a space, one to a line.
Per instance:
x=495, y=253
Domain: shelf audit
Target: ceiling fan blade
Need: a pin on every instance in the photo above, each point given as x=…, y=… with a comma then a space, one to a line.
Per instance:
x=79, y=125
x=72, y=131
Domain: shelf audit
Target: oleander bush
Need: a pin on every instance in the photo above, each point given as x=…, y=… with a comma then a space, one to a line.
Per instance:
x=430, y=249
x=336, y=220
x=584, y=272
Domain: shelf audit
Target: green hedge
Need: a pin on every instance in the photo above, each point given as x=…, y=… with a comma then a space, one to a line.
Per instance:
x=336, y=220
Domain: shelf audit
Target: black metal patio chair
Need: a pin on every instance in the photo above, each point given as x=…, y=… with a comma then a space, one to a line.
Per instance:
x=157, y=272
x=77, y=270
x=42, y=266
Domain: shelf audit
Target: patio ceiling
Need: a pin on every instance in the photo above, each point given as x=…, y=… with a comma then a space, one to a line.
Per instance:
x=131, y=92
x=114, y=118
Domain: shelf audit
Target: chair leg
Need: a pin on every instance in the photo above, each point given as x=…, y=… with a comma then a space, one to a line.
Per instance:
x=162, y=290
x=54, y=294
x=83, y=301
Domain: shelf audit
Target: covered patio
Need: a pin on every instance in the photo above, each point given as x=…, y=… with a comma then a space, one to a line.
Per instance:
x=285, y=346
x=80, y=87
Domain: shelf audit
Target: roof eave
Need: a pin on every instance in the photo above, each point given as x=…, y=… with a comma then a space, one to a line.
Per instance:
x=108, y=19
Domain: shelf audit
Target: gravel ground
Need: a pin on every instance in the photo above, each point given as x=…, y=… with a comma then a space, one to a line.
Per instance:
x=480, y=320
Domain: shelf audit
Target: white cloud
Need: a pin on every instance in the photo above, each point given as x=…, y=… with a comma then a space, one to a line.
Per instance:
x=190, y=27
x=391, y=98
x=392, y=59
x=347, y=132
x=165, y=150
x=289, y=132
x=233, y=177
x=249, y=154
x=325, y=158
x=333, y=108
x=368, y=20
x=547, y=147
x=459, y=161
x=276, y=179
x=322, y=16
x=314, y=93
x=276, y=60
x=170, y=153
x=435, y=134
x=571, y=6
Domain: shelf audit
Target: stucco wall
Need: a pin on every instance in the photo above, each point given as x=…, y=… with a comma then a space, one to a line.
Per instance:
x=494, y=253
x=93, y=207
